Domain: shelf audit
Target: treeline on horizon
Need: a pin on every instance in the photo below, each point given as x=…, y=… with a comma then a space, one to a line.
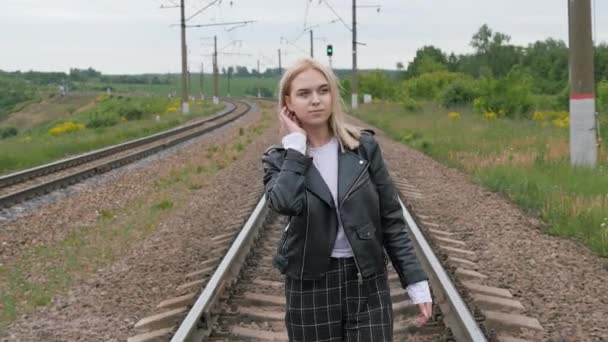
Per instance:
x=498, y=77
x=540, y=68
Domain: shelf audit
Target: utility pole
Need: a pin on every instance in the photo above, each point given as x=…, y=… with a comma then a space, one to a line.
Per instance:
x=280, y=68
x=216, y=98
x=185, y=103
x=259, y=93
x=354, y=86
x=202, y=82
x=583, y=130
x=312, y=49
x=229, y=75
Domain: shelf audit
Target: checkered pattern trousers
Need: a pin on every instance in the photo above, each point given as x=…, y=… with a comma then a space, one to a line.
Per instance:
x=337, y=308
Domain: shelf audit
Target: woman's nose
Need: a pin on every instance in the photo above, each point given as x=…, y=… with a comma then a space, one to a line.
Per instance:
x=315, y=98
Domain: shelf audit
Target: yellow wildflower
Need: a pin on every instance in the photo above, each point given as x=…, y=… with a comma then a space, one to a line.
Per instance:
x=454, y=115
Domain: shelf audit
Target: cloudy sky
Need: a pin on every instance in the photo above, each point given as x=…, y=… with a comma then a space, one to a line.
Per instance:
x=136, y=36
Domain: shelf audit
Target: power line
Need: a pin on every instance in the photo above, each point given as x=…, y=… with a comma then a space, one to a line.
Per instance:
x=201, y=10
x=224, y=24
x=306, y=12
x=337, y=15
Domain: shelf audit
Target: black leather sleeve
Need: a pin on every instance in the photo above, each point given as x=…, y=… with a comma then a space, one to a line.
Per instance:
x=396, y=240
x=284, y=175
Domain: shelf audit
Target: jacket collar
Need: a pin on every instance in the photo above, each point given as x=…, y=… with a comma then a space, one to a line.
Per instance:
x=350, y=166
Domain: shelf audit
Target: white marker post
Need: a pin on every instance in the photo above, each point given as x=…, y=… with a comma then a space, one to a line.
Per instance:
x=583, y=134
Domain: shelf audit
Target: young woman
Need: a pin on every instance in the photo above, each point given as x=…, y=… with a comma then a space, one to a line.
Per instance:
x=344, y=218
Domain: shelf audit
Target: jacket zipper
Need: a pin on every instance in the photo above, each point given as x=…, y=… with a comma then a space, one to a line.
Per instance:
x=305, y=237
x=355, y=183
x=285, y=232
x=359, y=275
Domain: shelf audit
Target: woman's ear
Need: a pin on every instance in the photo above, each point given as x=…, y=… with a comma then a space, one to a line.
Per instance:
x=288, y=102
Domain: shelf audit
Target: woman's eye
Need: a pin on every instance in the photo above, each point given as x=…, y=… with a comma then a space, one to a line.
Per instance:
x=324, y=91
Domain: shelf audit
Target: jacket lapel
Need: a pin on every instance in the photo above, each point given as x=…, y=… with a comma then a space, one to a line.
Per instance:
x=315, y=183
x=350, y=166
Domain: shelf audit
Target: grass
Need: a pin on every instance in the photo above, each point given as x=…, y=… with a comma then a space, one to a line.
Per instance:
x=49, y=270
x=36, y=146
x=46, y=110
x=528, y=163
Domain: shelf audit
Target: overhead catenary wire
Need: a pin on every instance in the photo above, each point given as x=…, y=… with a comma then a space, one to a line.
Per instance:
x=326, y=2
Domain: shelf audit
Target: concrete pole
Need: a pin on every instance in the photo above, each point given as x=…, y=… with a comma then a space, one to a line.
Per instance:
x=216, y=98
x=259, y=92
x=312, y=49
x=185, y=103
x=280, y=68
x=354, y=85
x=583, y=130
x=202, y=82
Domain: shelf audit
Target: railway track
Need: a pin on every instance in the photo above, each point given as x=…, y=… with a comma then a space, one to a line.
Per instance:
x=236, y=295
x=27, y=184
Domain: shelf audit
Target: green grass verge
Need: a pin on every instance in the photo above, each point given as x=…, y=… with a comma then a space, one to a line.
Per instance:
x=522, y=159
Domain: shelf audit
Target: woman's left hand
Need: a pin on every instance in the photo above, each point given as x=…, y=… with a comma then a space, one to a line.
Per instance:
x=426, y=311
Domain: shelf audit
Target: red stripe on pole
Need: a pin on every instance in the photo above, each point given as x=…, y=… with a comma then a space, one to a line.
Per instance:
x=581, y=96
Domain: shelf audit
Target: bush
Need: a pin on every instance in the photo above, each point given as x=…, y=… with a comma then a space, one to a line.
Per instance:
x=131, y=113
x=459, y=93
x=378, y=85
x=409, y=104
x=7, y=132
x=509, y=96
x=428, y=86
x=97, y=120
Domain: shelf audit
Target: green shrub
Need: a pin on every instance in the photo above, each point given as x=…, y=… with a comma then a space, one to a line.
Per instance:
x=509, y=96
x=7, y=132
x=132, y=113
x=378, y=85
x=104, y=119
x=459, y=93
x=428, y=86
x=409, y=104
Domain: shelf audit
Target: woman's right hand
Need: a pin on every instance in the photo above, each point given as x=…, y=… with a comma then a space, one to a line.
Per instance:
x=289, y=122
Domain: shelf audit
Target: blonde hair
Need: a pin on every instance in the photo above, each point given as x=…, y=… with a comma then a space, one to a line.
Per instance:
x=347, y=135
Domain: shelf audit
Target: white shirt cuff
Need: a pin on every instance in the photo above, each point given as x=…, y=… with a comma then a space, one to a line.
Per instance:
x=296, y=141
x=419, y=292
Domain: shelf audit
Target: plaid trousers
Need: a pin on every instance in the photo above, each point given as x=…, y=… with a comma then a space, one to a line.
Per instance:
x=337, y=308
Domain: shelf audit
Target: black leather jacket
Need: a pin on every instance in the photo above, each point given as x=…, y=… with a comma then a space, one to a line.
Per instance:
x=368, y=208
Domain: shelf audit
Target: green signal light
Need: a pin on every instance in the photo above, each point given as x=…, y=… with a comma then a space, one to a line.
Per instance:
x=330, y=50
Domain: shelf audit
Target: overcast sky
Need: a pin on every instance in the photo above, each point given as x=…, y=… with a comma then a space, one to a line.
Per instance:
x=135, y=36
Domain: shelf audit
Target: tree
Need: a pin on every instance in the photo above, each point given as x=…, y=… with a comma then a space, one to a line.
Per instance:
x=428, y=59
x=547, y=62
x=400, y=66
x=242, y=71
x=481, y=39
x=493, y=53
x=601, y=62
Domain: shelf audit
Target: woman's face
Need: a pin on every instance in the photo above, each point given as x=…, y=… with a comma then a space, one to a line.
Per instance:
x=310, y=98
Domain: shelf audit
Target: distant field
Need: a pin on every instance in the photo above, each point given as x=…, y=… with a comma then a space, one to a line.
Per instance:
x=524, y=159
x=239, y=87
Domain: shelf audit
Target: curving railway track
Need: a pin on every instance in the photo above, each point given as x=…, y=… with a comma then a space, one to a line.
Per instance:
x=28, y=184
